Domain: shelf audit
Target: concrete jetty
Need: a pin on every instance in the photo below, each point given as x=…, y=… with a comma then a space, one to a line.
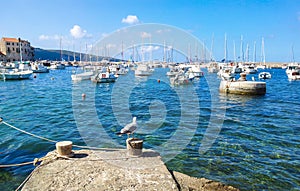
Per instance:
x=112, y=170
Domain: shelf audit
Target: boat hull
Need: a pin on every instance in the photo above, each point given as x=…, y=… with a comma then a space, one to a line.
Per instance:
x=16, y=76
x=82, y=76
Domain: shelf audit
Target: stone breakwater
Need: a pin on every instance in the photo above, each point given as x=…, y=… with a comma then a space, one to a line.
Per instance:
x=113, y=170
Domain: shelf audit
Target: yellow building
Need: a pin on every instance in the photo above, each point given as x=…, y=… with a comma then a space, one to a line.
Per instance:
x=10, y=47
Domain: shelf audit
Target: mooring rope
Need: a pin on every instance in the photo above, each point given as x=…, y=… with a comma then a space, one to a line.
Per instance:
x=49, y=140
x=34, y=162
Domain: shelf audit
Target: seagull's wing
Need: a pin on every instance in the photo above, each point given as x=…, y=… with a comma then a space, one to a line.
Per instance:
x=129, y=128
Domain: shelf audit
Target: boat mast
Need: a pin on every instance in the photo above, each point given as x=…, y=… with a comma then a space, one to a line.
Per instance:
x=225, y=49
x=254, y=52
x=263, y=57
x=234, y=56
x=211, y=47
x=242, y=50
x=122, y=52
x=20, y=46
x=293, y=57
x=60, y=49
x=74, y=53
x=80, y=54
x=247, y=53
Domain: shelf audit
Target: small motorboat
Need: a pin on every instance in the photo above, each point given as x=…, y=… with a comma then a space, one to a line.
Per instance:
x=264, y=75
x=104, y=76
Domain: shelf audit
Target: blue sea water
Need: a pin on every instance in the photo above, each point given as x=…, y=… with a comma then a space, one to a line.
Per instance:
x=249, y=142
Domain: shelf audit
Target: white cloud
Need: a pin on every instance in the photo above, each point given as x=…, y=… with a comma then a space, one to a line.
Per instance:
x=78, y=32
x=49, y=37
x=150, y=48
x=163, y=30
x=130, y=19
x=145, y=35
x=44, y=37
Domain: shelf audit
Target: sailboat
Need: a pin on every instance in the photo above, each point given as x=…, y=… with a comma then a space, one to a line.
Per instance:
x=22, y=72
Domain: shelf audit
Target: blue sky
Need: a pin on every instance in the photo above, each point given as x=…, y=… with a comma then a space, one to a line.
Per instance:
x=43, y=23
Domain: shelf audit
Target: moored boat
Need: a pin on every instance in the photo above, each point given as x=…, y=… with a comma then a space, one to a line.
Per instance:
x=104, y=76
x=16, y=73
x=39, y=68
x=264, y=75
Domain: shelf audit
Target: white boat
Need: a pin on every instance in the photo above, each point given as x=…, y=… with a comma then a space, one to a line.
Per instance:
x=197, y=71
x=264, y=75
x=242, y=86
x=57, y=66
x=104, y=76
x=143, y=70
x=250, y=70
x=213, y=67
x=82, y=76
x=226, y=73
x=294, y=75
x=39, y=68
x=292, y=67
x=180, y=79
x=20, y=73
x=173, y=71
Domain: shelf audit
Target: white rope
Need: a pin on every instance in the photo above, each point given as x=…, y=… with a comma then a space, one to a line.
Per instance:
x=46, y=139
x=28, y=132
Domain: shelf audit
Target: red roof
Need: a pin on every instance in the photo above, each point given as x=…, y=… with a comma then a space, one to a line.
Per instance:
x=6, y=39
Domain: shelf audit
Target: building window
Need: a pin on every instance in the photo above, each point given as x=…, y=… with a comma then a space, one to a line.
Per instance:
x=17, y=44
x=13, y=44
x=8, y=49
x=13, y=49
x=7, y=43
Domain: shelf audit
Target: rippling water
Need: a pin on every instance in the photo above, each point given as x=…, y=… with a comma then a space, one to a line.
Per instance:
x=251, y=143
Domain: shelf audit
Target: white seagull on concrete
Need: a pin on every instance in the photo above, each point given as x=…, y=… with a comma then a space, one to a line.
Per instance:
x=129, y=128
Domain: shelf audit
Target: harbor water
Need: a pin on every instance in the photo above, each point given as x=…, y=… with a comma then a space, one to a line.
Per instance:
x=249, y=142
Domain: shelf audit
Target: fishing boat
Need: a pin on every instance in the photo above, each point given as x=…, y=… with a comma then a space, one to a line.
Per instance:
x=197, y=72
x=173, y=71
x=264, y=75
x=250, y=69
x=180, y=79
x=143, y=70
x=16, y=74
x=293, y=71
x=295, y=75
x=82, y=76
x=226, y=73
x=104, y=76
x=37, y=67
x=242, y=86
x=87, y=73
x=57, y=66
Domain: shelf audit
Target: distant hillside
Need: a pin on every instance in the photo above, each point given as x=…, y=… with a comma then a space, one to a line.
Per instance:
x=42, y=54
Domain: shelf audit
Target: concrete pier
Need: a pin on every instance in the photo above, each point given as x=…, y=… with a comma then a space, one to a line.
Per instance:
x=112, y=170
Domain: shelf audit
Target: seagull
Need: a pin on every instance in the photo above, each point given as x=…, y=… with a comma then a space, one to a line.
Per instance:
x=129, y=128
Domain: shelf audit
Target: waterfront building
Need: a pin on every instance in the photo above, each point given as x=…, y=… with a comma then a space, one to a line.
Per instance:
x=10, y=47
x=2, y=57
